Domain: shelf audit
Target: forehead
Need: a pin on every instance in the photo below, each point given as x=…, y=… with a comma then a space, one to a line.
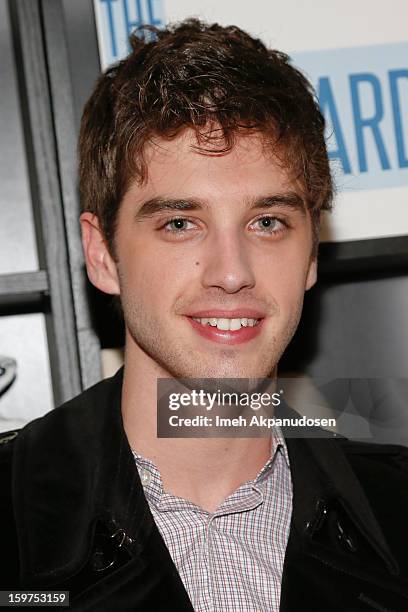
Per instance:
x=181, y=166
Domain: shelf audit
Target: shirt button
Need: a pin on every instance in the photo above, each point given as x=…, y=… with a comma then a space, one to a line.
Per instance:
x=145, y=477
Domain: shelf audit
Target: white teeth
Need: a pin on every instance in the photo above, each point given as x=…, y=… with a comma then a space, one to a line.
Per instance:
x=227, y=324
x=223, y=324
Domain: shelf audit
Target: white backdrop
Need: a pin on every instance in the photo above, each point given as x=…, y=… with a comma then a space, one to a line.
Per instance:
x=356, y=55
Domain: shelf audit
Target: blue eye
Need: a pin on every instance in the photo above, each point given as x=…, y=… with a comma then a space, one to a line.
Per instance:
x=268, y=224
x=177, y=225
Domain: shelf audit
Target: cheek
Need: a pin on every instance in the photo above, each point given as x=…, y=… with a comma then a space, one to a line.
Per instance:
x=286, y=265
x=291, y=295
x=283, y=275
x=156, y=274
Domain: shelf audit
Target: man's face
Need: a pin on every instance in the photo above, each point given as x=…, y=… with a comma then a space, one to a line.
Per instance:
x=212, y=242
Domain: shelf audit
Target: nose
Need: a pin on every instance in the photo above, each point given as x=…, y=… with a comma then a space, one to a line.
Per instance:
x=227, y=264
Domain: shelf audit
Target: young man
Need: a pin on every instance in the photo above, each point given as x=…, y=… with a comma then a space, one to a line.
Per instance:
x=203, y=174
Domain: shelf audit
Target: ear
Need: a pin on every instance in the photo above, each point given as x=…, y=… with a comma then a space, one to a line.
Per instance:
x=100, y=265
x=311, y=277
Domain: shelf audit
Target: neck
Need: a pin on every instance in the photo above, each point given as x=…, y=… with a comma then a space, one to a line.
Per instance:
x=202, y=470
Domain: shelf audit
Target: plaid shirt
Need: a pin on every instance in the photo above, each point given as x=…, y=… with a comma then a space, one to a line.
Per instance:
x=230, y=560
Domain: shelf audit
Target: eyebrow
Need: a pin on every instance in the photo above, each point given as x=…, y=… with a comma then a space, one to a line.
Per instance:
x=156, y=205
x=289, y=199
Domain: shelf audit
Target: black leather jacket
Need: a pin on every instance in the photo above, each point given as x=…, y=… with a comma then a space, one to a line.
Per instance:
x=74, y=517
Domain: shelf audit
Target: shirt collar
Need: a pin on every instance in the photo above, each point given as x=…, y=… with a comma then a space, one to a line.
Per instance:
x=153, y=485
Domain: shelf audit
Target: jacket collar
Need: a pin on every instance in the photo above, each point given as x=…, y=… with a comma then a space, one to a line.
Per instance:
x=74, y=466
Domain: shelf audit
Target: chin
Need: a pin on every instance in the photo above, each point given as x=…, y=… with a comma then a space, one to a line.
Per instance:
x=228, y=370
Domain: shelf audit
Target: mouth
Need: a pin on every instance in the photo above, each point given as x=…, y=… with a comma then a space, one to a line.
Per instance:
x=226, y=324
x=227, y=328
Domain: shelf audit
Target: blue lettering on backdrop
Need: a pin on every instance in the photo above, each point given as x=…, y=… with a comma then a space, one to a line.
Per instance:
x=120, y=17
x=363, y=94
x=111, y=29
x=140, y=20
x=328, y=106
x=369, y=122
x=394, y=76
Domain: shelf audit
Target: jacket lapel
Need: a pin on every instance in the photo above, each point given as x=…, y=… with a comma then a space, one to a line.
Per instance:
x=337, y=558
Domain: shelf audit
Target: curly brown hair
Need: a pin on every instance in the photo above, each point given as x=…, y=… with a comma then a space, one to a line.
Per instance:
x=200, y=76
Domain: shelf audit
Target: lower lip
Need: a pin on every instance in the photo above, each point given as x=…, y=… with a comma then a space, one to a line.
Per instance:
x=244, y=334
